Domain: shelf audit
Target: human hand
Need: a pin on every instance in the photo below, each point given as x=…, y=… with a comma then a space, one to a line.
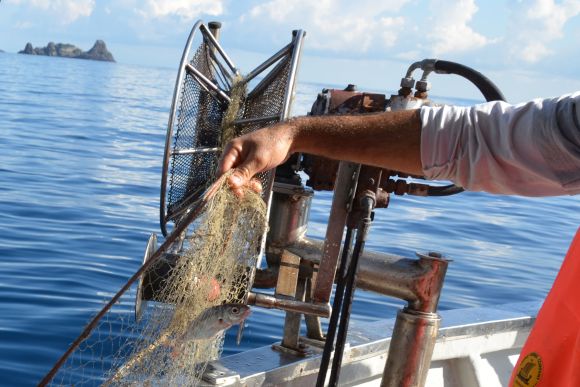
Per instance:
x=256, y=152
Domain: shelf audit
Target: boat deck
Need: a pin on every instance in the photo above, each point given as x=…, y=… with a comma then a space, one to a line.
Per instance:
x=475, y=347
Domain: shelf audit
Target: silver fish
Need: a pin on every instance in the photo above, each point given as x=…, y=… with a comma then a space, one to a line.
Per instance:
x=215, y=320
x=206, y=326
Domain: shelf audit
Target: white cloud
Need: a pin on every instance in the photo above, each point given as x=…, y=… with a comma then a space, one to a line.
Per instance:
x=534, y=25
x=336, y=25
x=450, y=30
x=410, y=56
x=531, y=52
x=67, y=11
x=389, y=26
x=187, y=10
x=23, y=25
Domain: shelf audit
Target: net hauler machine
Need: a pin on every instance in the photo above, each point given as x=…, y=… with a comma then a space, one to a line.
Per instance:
x=212, y=103
x=302, y=271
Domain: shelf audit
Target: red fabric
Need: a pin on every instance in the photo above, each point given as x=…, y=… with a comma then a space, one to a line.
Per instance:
x=551, y=355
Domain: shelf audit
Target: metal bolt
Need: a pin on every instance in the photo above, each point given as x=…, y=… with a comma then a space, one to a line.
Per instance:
x=214, y=25
x=423, y=86
x=407, y=82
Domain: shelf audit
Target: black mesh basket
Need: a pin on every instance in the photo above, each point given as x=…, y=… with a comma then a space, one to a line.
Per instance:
x=203, y=93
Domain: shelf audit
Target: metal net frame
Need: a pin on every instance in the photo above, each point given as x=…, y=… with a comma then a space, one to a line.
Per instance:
x=208, y=88
x=203, y=93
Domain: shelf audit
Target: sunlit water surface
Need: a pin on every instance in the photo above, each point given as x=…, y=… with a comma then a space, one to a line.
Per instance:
x=80, y=163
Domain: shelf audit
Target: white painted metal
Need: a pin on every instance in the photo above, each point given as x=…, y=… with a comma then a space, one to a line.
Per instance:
x=476, y=347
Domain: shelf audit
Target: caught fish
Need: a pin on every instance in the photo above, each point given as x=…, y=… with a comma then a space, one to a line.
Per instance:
x=215, y=320
x=207, y=325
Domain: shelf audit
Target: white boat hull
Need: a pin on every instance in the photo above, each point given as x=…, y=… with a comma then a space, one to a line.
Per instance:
x=475, y=347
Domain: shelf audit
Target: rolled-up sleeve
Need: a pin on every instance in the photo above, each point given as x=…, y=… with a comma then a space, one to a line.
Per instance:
x=530, y=149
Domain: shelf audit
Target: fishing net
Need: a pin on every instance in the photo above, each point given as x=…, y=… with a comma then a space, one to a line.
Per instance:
x=214, y=269
x=213, y=264
x=146, y=333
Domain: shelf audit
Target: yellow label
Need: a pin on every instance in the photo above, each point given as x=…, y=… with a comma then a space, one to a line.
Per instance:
x=529, y=372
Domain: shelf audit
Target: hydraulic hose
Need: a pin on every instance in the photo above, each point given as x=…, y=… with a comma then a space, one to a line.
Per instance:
x=361, y=236
x=344, y=294
x=489, y=90
x=444, y=191
x=336, y=309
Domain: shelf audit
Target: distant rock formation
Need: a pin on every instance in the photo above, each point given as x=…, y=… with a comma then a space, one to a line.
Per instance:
x=98, y=52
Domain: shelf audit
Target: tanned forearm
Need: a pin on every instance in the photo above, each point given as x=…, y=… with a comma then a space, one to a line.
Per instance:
x=390, y=140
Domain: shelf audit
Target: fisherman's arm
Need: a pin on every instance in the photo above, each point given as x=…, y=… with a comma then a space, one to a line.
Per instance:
x=530, y=149
x=389, y=140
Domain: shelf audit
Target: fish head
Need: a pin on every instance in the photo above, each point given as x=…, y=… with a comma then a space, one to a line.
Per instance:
x=233, y=314
x=215, y=320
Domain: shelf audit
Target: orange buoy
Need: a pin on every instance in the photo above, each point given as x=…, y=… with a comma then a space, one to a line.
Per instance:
x=551, y=355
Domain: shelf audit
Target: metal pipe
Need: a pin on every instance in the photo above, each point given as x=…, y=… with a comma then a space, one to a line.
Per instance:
x=190, y=151
x=313, y=326
x=219, y=48
x=184, y=205
x=272, y=302
x=416, y=329
x=169, y=135
x=268, y=62
x=295, y=61
x=256, y=120
x=345, y=187
x=387, y=274
x=202, y=84
x=289, y=214
x=270, y=177
x=428, y=287
x=266, y=81
x=411, y=349
x=202, y=79
x=425, y=64
x=292, y=321
x=408, y=279
x=214, y=28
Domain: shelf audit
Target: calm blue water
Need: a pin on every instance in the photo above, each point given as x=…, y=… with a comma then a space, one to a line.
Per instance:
x=80, y=156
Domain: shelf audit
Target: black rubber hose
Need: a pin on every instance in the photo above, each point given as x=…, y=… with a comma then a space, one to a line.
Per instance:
x=361, y=236
x=336, y=308
x=444, y=191
x=489, y=90
x=346, y=307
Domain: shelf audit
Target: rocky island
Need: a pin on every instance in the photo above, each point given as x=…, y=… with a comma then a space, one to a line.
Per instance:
x=98, y=52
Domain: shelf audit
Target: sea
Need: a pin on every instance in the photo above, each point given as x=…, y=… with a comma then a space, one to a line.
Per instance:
x=81, y=147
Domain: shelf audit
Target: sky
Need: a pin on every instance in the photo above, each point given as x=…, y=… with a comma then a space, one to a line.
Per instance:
x=529, y=48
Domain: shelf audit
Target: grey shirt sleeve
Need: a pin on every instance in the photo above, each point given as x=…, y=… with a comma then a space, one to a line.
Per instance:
x=530, y=149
